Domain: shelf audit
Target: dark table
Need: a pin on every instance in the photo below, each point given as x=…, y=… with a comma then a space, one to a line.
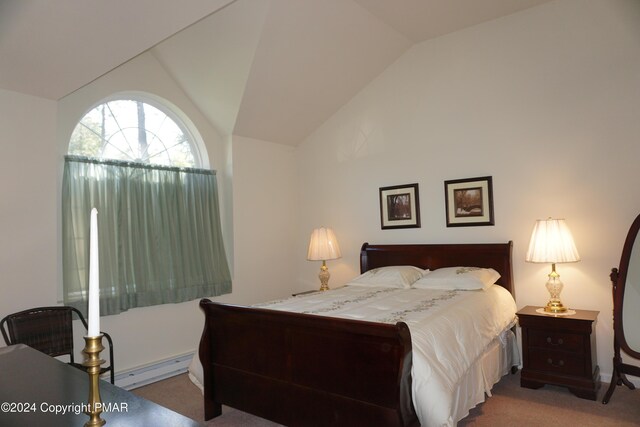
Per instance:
x=33, y=386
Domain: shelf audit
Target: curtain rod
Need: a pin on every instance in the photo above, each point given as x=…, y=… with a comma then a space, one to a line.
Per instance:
x=137, y=165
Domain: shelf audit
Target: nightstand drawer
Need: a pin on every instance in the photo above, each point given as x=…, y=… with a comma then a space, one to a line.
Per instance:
x=556, y=361
x=556, y=341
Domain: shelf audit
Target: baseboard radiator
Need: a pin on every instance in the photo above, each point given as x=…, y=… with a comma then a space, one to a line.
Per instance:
x=151, y=373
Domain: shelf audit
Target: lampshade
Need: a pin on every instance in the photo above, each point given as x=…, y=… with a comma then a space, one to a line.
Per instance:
x=552, y=242
x=323, y=245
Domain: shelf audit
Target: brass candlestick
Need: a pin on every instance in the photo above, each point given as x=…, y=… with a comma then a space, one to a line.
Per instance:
x=93, y=347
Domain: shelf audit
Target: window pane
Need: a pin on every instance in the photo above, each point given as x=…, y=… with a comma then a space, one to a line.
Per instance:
x=132, y=130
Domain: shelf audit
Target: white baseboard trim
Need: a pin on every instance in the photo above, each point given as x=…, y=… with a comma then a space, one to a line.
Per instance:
x=147, y=374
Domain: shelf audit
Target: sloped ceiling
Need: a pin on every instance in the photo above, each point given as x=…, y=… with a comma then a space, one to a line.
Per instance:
x=51, y=48
x=212, y=60
x=265, y=69
x=312, y=58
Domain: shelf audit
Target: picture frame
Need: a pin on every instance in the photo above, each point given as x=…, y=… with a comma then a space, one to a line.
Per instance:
x=469, y=202
x=400, y=206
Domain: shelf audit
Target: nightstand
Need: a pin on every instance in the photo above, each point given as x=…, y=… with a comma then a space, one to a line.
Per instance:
x=560, y=350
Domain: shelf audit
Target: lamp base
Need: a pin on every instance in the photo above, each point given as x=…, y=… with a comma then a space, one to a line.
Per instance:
x=555, y=306
x=324, y=277
x=554, y=286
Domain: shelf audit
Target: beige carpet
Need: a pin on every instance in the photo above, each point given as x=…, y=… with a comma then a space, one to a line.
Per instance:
x=510, y=405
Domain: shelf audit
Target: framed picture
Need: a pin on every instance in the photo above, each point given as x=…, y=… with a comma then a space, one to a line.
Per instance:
x=469, y=202
x=399, y=206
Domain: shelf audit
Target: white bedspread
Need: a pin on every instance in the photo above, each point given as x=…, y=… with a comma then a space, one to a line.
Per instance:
x=450, y=331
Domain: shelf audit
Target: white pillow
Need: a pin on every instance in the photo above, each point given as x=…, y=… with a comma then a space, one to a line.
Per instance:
x=465, y=278
x=400, y=276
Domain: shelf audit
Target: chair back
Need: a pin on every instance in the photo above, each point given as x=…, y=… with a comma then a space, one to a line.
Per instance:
x=50, y=330
x=47, y=329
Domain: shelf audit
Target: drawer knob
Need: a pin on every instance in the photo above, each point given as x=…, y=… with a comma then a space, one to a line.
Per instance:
x=559, y=342
x=560, y=364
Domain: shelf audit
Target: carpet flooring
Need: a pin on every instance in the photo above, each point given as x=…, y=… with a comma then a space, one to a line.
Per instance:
x=509, y=406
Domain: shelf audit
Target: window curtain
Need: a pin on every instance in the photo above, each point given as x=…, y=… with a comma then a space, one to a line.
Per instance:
x=160, y=239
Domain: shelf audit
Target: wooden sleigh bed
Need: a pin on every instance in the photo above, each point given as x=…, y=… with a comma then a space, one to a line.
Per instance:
x=309, y=370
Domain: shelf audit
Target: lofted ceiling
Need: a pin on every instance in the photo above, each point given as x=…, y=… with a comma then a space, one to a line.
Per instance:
x=265, y=69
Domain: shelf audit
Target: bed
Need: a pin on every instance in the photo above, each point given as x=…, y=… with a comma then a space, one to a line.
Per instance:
x=319, y=367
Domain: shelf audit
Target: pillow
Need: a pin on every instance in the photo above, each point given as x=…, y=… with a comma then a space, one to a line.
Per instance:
x=465, y=278
x=400, y=276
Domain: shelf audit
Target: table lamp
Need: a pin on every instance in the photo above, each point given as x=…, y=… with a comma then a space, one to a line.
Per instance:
x=551, y=241
x=322, y=247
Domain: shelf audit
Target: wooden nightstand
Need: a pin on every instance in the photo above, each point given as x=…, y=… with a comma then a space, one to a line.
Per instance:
x=560, y=350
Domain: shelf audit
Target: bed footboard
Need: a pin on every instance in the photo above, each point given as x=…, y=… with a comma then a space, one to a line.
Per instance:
x=305, y=370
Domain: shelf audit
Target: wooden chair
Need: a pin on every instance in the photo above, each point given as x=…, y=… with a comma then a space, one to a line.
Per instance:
x=49, y=330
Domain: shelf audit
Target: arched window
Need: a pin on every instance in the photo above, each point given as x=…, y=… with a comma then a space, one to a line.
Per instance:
x=160, y=239
x=134, y=130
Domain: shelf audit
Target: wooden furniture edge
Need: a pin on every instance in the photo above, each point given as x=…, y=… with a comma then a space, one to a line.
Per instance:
x=339, y=391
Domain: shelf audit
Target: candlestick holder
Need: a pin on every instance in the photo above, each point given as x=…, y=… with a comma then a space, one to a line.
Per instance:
x=93, y=347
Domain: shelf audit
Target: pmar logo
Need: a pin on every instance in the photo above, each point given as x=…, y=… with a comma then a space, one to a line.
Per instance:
x=112, y=406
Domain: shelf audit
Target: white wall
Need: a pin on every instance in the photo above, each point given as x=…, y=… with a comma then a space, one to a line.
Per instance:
x=547, y=101
x=28, y=245
x=265, y=219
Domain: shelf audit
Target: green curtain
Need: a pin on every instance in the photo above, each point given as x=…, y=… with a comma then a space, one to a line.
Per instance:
x=159, y=234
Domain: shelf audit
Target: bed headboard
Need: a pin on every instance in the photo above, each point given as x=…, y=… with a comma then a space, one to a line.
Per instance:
x=486, y=255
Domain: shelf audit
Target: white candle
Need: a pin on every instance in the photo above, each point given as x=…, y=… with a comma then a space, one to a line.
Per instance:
x=94, y=278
